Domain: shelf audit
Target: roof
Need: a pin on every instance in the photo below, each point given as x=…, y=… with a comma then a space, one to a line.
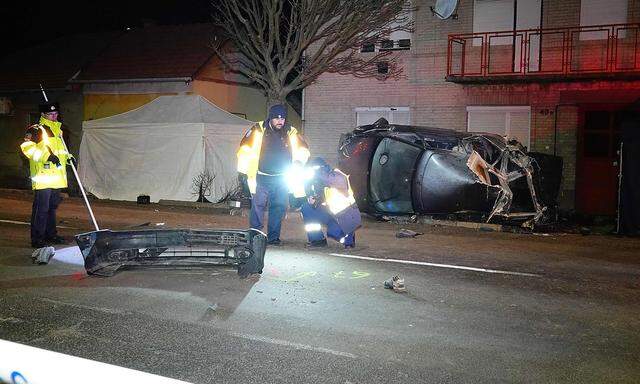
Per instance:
x=52, y=63
x=153, y=52
x=168, y=110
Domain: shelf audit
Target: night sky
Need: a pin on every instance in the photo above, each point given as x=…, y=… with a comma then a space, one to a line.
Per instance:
x=29, y=22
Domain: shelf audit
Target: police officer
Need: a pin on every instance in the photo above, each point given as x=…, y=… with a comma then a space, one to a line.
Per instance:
x=330, y=203
x=47, y=159
x=266, y=153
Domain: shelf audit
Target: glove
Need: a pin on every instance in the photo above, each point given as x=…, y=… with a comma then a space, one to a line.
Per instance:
x=54, y=159
x=33, y=134
x=244, y=185
x=72, y=161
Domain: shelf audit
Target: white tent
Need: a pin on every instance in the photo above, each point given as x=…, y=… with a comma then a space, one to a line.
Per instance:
x=159, y=148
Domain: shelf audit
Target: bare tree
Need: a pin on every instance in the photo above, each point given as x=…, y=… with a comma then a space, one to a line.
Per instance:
x=284, y=45
x=202, y=184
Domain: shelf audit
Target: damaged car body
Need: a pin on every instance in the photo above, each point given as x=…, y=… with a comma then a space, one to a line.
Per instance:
x=400, y=169
x=107, y=251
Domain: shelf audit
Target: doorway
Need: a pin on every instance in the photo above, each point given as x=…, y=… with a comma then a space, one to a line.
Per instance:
x=597, y=159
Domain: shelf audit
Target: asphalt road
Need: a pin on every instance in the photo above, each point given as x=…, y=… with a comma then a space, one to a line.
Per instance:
x=318, y=317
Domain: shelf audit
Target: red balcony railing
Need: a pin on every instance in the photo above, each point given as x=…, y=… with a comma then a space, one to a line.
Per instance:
x=586, y=51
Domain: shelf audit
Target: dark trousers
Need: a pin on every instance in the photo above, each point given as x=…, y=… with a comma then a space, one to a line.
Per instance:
x=43, y=214
x=271, y=191
x=315, y=218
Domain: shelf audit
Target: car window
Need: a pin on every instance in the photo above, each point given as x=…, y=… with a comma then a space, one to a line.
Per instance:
x=391, y=177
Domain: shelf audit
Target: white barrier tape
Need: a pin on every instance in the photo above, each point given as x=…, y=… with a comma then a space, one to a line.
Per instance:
x=21, y=364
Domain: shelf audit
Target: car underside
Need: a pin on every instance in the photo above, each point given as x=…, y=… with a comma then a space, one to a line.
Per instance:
x=406, y=170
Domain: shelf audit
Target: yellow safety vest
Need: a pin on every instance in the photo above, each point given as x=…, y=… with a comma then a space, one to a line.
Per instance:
x=249, y=154
x=336, y=200
x=45, y=174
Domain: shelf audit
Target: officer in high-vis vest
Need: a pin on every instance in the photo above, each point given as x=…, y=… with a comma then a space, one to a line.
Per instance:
x=47, y=164
x=330, y=203
x=267, y=152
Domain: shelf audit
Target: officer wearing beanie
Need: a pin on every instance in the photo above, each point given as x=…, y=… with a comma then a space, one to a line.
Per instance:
x=266, y=152
x=47, y=156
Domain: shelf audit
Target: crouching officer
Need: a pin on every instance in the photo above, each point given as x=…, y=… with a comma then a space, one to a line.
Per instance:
x=266, y=153
x=47, y=160
x=330, y=203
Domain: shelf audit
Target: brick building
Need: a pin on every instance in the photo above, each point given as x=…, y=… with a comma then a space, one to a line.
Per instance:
x=559, y=84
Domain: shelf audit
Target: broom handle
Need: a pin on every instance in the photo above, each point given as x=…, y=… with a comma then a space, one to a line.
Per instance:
x=84, y=195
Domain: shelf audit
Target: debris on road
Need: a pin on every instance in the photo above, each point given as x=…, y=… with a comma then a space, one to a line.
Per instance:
x=212, y=308
x=396, y=283
x=42, y=255
x=404, y=233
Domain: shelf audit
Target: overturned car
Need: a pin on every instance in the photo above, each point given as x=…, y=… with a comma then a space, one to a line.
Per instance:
x=401, y=169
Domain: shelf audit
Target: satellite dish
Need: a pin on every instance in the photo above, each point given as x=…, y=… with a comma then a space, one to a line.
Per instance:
x=445, y=9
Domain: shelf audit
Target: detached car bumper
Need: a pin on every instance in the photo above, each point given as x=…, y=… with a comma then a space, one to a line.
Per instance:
x=107, y=251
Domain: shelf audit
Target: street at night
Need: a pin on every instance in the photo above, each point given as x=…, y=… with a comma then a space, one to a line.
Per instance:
x=320, y=191
x=479, y=307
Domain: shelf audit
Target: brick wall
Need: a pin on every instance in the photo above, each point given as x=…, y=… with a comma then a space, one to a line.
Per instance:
x=329, y=103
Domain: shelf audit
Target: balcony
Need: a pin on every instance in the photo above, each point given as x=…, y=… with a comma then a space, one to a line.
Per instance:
x=545, y=55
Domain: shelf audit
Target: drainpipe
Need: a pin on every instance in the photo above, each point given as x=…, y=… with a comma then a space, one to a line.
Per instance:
x=540, y=39
x=513, y=43
x=302, y=112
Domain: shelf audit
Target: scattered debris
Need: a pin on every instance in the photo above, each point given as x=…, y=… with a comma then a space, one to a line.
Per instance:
x=396, y=283
x=404, y=233
x=42, y=255
x=210, y=314
x=400, y=219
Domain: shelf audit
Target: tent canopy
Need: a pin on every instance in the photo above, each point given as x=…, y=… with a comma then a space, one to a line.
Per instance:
x=159, y=149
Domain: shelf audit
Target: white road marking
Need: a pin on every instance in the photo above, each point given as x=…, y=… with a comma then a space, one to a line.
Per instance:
x=437, y=265
x=99, y=309
x=290, y=344
x=25, y=223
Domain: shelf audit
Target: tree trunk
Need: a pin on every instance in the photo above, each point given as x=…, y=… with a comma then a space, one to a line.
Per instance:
x=274, y=99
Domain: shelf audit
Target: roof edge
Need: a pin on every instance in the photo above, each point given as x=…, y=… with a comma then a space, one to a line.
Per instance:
x=187, y=79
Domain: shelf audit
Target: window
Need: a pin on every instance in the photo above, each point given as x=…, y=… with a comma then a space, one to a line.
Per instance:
x=368, y=47
x=512, y=122
x=394, y=115
x=398, y=40
x=599, y=12
x=497, y=15
x=383, y=67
